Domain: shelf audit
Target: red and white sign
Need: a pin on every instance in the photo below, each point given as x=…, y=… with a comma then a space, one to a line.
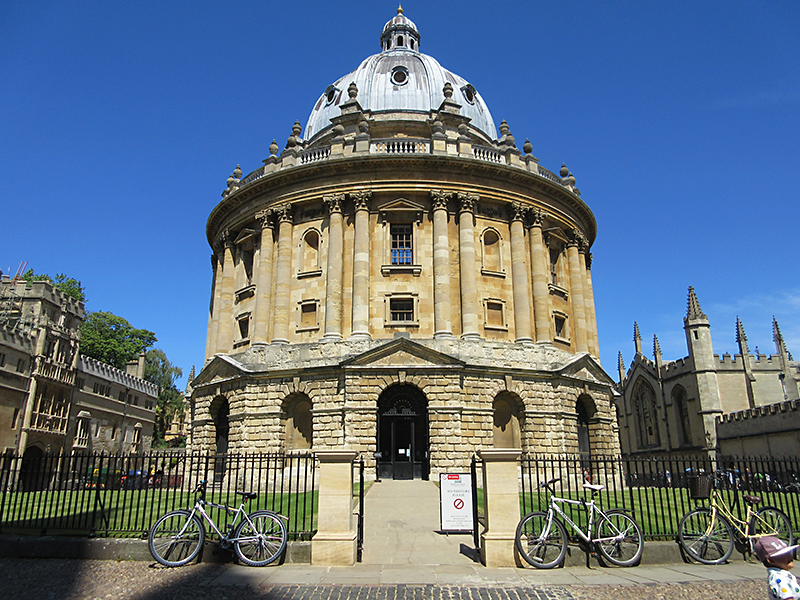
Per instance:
x=455, y=501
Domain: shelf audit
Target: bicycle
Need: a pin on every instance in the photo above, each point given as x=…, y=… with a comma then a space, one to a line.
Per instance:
x=707, y=534
x=176, y=538
x=541, y=538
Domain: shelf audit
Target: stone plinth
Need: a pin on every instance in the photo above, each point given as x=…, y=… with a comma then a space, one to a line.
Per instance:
x=501, y=489
x=335, y=541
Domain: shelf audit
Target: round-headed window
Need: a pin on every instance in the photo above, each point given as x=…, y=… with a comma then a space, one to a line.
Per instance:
x=399, y=76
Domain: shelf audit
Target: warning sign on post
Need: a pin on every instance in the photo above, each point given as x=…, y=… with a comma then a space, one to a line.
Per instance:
x=455, y=501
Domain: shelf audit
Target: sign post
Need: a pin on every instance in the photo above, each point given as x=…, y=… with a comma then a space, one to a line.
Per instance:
x=455, y=502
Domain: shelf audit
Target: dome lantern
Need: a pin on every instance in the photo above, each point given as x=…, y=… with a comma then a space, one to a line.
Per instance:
x=400, y=33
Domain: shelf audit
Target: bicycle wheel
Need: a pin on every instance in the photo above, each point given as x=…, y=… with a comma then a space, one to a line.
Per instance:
x=771, y=521
x=540, y=546
x=705, y=537
x=263, y=542
x=176, y=538
x=619, y=538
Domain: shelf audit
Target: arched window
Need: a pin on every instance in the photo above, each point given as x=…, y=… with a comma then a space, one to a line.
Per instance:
x=682, y=415
x=492, y=262
x=506, y=427
x=310, y=252
x=299, y=424
x=644, y=404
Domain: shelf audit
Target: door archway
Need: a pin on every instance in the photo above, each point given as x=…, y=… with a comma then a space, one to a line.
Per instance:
x=402, y=433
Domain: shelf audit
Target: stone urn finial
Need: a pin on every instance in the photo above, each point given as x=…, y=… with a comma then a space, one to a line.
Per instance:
x=338, y=130
x=352, y=90
x=504, y=127
x=297, y=129
x=527, y=147
x=564, y=170
x=237, y=172
x=273, y=148
x=463, y=130
x=448, y=90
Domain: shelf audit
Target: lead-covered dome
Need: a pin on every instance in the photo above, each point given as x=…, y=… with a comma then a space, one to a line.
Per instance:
x=400, y=78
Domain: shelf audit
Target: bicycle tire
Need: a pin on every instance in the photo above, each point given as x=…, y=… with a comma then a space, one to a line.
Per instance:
x=705, y=538
x=619, y=538
x=542, y=552
x=769, y=520
x=263, y=545
x=176, y=538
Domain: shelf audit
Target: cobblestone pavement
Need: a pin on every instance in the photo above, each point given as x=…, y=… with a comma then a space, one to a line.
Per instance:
x=86, y=579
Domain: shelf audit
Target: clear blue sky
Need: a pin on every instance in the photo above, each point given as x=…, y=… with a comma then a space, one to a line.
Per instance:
x=121, y=121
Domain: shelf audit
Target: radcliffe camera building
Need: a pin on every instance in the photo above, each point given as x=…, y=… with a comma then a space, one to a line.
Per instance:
x=401, y=280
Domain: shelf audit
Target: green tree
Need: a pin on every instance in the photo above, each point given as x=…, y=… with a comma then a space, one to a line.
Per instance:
x=69, y=285
x=111, y=339
x=158, y=370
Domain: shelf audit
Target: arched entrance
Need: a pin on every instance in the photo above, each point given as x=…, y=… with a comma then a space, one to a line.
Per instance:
x=403, y=433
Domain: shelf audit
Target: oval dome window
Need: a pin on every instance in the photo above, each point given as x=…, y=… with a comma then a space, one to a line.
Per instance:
x=399, y=76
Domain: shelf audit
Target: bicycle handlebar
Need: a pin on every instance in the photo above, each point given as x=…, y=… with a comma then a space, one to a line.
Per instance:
x=548, y=483
x=201, y=488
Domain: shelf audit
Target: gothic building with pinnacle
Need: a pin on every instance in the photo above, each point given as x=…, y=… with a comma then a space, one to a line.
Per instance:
x=402, y=281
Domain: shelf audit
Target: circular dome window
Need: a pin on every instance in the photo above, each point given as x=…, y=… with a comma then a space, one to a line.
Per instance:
x=469, y=93
x=330, y=95
x=399, y=76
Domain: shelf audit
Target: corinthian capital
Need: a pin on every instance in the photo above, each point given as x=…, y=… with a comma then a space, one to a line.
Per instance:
x=264, y=218
x=439, y=198
x=283, y=213
x=361, y=199
x=467, y=201
x=334, y=202
x=537, y=216
x=517, y=211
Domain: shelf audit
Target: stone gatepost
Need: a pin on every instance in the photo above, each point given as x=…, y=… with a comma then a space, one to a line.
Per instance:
x=501, y=495
x=335, y=541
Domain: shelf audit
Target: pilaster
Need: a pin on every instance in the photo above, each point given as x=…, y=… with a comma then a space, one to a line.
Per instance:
x=541, y=294
x=442, y=314
x=260, y=334
x=335, y=273
x=283, y=276
x=469, y=285
x=361, y=250
x=576, y=292
x=225, y=318
x=519, y=277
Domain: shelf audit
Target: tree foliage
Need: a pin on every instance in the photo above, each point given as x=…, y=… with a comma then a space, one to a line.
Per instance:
x=158, y=370
x=111, y=339
x=69, y=285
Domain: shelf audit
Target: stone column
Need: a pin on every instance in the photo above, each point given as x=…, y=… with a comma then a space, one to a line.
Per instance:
x=225, y=315
x=539, y=269
x=442, y=314
x=591, y=318
x=335, y=542
x=335, y=275
x=283, y=277
x=213, y=308
x=469, y=285
x=262, y=310
x=576, y=292
x=520, y=281
x=501, y=489
x=361, y=250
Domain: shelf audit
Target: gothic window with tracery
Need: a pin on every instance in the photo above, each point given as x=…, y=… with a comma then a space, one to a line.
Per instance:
x=644, y=402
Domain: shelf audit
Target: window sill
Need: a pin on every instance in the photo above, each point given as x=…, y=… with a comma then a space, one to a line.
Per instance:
x=401, y=324
x=496, y=327
x=562, y=340
x=305, y=274
x=557, y=290
x=304, y=329
x=396, y=269
x=489, y=273
x=242, y=342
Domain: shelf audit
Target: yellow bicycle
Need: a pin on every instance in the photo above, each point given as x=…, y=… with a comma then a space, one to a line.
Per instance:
x=708, y=533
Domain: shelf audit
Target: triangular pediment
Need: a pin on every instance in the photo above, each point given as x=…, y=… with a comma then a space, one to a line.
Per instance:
x=401, y=205
x=221, y=368
x=586, y=368
x=402, y=352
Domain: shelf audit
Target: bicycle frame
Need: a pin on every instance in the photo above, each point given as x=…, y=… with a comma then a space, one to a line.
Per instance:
x=225, y=537
x=719, y=506
x=590, y=507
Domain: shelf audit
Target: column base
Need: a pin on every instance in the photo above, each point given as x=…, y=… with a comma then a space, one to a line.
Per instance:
x=498, y=550
x=544, y=342
x=332, y=337
x=443, y=334
x=360, y=336
x=525, y=341
x=474, y=337
x=334, y=549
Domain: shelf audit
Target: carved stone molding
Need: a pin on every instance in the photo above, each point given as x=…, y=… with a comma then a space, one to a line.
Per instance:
x=439, y=199
x=467, y=201
x=284, y=213
x=264, y=218
x=334, y=202
x=361, y=199
x=517, y=211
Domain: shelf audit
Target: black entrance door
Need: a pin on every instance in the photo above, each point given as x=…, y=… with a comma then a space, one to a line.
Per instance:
x=402, y=434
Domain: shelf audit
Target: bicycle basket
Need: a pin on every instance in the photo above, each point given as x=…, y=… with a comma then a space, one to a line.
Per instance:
x=700, y=487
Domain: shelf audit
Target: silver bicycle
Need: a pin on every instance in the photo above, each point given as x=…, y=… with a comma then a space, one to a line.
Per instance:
x=259, y=538
x=541, y=537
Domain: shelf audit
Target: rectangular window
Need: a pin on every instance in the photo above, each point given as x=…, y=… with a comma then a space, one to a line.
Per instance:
x=401, y=244
x=244, y=328
x=20, y=365
x=494, y=314
x=554, y=266
x=2, y=359
x=402, y=309
x=561, y=323
x=309, y=315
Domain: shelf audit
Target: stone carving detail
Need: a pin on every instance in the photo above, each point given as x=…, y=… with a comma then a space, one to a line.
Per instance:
x=517, y=211
x=537, y=216
x=361, y=199
x=438, y=126
x=447, y=90
x=467, y=201
x=439, y=199
x=273, y=148
x=363, y=127
x=334, y=202
x=264, y=218
x=283, y=213
x=352, y=90
x=295, y=139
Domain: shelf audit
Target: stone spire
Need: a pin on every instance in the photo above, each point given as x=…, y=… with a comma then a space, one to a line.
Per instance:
x=694, y=312
x=790, y=388
x=621, y=369
x=637, y=338
x=741, y=338
x=777, y=337
x=656, y=349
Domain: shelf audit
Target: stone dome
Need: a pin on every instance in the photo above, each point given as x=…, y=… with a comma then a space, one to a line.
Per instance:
x=400, y=78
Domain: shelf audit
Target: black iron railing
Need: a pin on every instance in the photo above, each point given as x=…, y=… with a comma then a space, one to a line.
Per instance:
x=123, y=494
x=657, y=489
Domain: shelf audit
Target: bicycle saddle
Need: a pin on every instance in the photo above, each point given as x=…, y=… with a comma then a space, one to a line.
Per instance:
x=248, y=495
x=593, y=486
x=751, y=499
